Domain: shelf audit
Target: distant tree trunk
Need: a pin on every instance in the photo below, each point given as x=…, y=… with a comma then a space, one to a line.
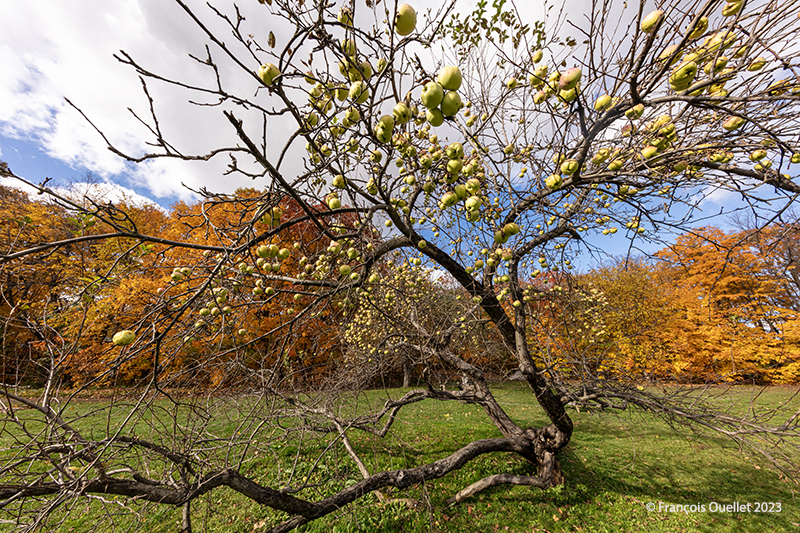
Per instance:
x=408, y=372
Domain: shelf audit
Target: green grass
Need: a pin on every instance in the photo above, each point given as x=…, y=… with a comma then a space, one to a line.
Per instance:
x=614, y=466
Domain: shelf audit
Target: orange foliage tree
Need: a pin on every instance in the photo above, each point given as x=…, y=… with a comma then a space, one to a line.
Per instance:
x=713, y=306
x=735, y=313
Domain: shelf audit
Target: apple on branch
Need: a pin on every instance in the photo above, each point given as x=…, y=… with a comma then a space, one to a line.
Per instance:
x=405, y=20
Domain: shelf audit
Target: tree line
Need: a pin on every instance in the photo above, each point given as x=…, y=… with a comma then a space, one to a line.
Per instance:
x=714, y=305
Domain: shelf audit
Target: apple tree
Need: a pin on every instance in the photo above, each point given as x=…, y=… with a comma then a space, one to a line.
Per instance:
x=489, y=148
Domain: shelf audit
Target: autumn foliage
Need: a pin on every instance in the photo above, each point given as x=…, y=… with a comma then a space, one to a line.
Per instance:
x=713, y=305
x=61, y=307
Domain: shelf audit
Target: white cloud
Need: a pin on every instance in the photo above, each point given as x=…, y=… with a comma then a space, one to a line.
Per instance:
x=54, y=50
x=99, y=192
x=105, y=193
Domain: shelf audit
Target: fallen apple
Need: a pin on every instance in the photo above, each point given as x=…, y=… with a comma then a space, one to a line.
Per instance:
x=569, y=79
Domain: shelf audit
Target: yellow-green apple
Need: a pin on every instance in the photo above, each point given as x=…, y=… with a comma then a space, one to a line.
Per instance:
x=434, y=117
x=124, y=337
x=602, y=103
x=405, y=20
x=651, y=20
x=449, y=78
x=432, y=95
x=268, y=72
x=451, y=103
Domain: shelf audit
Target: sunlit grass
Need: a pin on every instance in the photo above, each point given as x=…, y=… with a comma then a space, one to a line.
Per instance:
x=615, y=465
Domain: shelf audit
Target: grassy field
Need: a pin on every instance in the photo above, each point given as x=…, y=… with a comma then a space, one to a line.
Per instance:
x=614, y=466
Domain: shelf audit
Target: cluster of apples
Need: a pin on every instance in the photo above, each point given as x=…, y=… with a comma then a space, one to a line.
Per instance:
x=468, y=192
x=440, y=97
x=216, y=307
x=708, y=58
x=367, y=329
x=339, y=255
x=272, y=216
x=566, y=84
